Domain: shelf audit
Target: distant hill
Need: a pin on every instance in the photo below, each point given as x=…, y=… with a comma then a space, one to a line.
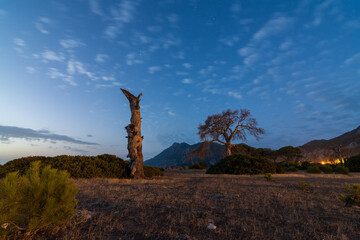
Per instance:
x=176, y=154
x=323, y=150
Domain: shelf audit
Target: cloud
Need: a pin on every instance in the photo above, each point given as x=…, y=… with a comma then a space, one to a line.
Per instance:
x=95, y=7
x=171, y=113
x=235, y=7
x=101, y=58
x=154, y=69
x=55, y=74
x=353, y=59
x=131, y=59
x=19, y=42
x=41, y=24
x=121, y=14
x=7, y=132
x=235, y=94
x=274, y=26
x=78, y=67
x=187, y=81
x=30, y=70
x=71, y=43
x=229, y=41
x=187, y=65
x=52, y=56
x=2, y=14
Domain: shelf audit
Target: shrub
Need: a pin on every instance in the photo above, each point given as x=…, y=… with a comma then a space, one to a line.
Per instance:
x=352, y=196
x=37, y=200
x=305, y=187
x=243, y=164
x=150, y=171
x=103, y=166
x=199, y=165
x=313, y=169
x=268, y=176
x=339, y=169
x=327, y=169
x=304, y=165
x=292, y=169
x=353, y=164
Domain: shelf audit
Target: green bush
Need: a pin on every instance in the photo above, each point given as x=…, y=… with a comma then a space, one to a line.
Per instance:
x=339, y=169
x=326, y=169
x=292, y=169
x=352, y=196
x=268, y=176
x=304, y=165
x=313, y=169
x=353, y=164
x=39, y=199
x=305, y=187
x=243, y=164
x=102, y=166
x=199, y=165
x=150, y=171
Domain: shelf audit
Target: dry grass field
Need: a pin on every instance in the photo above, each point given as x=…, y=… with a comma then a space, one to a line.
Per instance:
x=183, y=203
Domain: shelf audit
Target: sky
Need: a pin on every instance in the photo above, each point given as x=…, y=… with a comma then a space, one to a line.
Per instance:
x=294, y=64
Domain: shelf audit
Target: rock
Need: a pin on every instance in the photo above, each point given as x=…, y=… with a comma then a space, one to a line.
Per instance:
x=211, y=226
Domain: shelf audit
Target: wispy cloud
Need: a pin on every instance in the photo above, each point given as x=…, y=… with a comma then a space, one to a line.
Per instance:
x=277, y=24
x=19, y=42
x=353, y=59
x=154, y=69
x=52, y=56
x=7, y=132
x=54, y=73
x=101, y=58
x=187, y=65
x=122, y=14
x=235, y=94
x=42, y=23
x=30, y=70
x=187, y=81
x=95, y=7
x=78, y=67
x=132, y=59
x=71, y=43
x=229, y=41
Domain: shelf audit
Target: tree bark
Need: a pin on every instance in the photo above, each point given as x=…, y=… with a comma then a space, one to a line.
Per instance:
x=134, y=136
x=228, y=150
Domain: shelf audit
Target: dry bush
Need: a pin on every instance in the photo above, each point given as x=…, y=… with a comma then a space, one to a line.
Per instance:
x=183, y=203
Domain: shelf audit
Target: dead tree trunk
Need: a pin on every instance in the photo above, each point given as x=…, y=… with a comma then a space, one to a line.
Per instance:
x=134, y=136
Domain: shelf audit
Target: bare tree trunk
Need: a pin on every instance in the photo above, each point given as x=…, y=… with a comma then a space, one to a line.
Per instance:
x=134, y=136
x=228, y=150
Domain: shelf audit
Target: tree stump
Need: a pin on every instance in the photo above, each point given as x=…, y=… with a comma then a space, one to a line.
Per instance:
x=134, y=136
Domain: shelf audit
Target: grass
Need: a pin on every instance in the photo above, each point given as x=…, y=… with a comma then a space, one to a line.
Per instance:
x=181, y=205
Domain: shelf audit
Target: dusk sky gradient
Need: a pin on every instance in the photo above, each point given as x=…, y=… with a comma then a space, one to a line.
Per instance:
x=294, y=64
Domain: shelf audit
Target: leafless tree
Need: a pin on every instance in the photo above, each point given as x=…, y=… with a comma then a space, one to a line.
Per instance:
x=134, y=136
x=228, y=126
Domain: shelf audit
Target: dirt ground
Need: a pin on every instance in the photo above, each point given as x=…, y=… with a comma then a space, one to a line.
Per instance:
x=182, y=204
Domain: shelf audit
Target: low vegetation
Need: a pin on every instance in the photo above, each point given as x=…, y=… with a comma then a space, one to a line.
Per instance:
x=305, y=187
x=268, y=176
x=102, y=166
x=352, y=195
x=199, y=165
x=243, y=164
x=181, y=205
x=39, y=199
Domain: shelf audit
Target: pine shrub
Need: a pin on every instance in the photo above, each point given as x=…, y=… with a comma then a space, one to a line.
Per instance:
x=339, y=169
x=243, y=164
x=305, y=187
x=39, y=199
x=313, y=169
x=352, y=196
x=268, y=176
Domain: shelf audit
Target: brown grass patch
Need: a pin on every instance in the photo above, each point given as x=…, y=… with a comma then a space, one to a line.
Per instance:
x=183, y=203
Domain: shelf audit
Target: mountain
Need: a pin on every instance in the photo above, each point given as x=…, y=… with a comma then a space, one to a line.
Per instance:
x=323, y=150
x=176, y=154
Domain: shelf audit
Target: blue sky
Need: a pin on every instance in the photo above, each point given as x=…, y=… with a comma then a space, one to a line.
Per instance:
x=294, y=64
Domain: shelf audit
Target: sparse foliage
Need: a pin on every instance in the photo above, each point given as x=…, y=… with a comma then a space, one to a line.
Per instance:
x=289, y=154
x=268, y=176
x=305, y=187
x=37, y=200
x=313, y=169
x=339, y=169
x=228, y=126
x=352, y=196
